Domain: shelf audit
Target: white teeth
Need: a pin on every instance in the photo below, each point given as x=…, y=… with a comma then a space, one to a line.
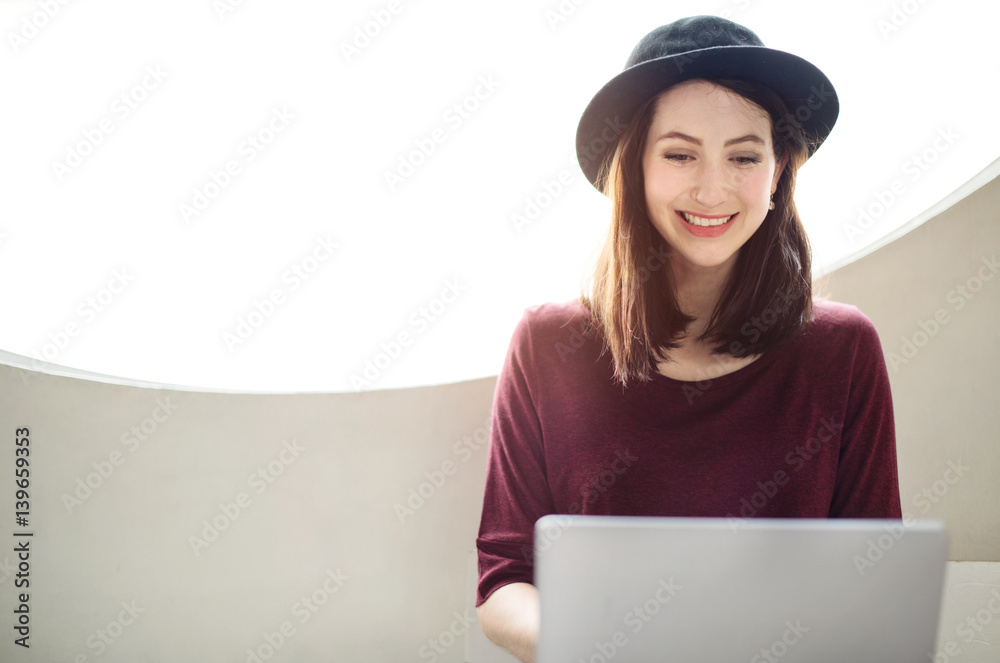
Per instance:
x=701, y=221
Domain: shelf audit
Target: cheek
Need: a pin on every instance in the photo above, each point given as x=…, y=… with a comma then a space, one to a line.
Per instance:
x=755, y=185
x=652, y=175
x=662, y=184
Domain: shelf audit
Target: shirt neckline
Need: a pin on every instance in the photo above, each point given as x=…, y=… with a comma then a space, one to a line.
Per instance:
x=733, y=376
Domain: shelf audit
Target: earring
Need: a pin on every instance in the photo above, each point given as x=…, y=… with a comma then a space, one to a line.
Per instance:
x=771, y=205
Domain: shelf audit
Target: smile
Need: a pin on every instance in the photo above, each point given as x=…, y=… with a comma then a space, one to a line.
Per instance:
x=706, y=221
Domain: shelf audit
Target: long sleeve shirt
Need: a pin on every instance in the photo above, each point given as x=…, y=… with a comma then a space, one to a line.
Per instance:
x=804, y=431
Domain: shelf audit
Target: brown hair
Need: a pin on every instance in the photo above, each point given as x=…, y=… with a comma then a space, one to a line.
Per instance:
x=768, y=296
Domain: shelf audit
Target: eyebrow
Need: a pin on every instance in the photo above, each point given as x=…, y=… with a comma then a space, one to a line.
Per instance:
x=749, y=138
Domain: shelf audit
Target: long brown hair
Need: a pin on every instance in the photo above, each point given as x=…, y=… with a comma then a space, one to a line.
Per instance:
x=768, y=295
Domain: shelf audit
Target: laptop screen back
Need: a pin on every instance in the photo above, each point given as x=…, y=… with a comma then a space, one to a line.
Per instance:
x=639, y=589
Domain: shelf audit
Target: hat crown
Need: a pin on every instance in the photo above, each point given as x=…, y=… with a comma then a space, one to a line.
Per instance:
x=691, y=34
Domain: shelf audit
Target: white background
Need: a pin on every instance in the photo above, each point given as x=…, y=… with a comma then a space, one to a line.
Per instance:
x=63, y=239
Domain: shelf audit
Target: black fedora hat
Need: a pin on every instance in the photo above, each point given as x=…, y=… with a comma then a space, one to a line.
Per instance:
x=703, y=47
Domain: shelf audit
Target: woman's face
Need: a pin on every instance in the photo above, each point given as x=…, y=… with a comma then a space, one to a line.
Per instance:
x=709, y=171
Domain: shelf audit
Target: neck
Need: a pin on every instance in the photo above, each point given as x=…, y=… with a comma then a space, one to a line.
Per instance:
x=698, y=291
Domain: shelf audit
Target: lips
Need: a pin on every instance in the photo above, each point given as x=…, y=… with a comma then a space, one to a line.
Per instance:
x=706, y=226
x=706, y=221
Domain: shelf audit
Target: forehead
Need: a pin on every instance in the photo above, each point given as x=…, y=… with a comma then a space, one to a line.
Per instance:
x=702, y=104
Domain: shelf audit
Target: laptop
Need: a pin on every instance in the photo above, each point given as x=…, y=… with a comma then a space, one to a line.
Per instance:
x=642, y=589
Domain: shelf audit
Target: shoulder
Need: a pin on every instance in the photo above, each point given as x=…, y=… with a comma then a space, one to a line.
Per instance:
x=831, y=317
x=839, y=325
x=554, y=321
x=553, y=331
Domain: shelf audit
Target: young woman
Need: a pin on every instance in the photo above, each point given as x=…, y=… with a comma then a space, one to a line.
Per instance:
x=697, y=377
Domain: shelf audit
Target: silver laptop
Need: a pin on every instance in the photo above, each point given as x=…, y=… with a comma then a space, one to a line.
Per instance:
x=639, y=589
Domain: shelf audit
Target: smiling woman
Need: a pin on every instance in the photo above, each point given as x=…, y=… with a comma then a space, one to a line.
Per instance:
x=704, y=150
x=712, y=371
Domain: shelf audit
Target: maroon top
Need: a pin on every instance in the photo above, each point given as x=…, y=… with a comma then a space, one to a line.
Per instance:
x=805, y=431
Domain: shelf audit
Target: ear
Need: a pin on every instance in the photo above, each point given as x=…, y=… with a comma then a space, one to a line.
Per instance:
x=778, y=170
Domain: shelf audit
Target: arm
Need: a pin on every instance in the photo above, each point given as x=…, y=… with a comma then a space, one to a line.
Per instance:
x=867, y=480
x=510, y=618
x=516, y=495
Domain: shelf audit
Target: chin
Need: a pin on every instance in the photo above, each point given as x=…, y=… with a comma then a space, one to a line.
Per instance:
x=713, y=256
x=706, y=262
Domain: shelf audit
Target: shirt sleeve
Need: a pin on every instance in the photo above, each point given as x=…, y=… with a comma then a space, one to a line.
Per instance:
x=867, y=483
x=517, y=490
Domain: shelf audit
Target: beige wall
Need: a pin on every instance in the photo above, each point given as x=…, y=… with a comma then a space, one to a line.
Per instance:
x=327, y=503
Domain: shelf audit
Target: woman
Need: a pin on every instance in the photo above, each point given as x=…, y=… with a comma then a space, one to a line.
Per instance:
x=697, y=377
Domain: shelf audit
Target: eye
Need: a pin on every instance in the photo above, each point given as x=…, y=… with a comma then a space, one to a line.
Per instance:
x=747, y=160
x=673, y=156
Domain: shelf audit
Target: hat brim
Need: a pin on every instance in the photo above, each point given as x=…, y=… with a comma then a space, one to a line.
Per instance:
x=808, y=94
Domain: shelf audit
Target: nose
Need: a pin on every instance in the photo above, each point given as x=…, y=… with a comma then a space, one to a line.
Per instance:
x=710, y=187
